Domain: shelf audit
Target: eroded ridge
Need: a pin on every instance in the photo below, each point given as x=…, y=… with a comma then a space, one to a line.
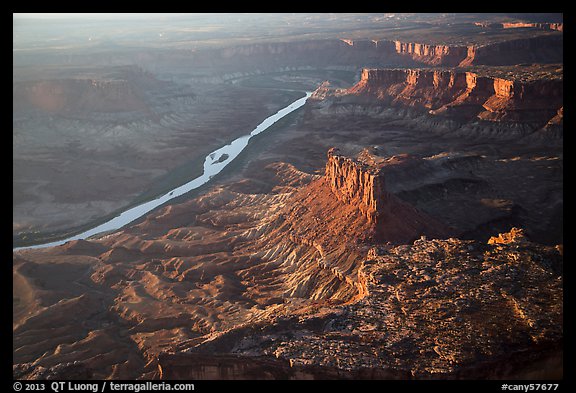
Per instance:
x=296, y=280
x=434, y=309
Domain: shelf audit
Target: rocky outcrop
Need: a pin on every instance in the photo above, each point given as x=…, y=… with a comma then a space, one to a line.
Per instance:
x=463, y=94
x=515, y=235
x=273, y=285
x=445, y=55
x=433, y=309
x=360, y=183
x=352, y=180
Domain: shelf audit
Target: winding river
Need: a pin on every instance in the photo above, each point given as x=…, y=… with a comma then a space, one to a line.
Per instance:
x=213, y=164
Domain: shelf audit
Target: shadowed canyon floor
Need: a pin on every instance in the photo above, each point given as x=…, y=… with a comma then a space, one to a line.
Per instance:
x=405, y=223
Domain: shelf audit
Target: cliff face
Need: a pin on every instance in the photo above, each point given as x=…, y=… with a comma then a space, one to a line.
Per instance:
x=351, y=52
x=542, y=49
x=359, y=183
x=448, y=55
x=475, y=96
x=353, y=182
x=524, y=25
x=542, y=26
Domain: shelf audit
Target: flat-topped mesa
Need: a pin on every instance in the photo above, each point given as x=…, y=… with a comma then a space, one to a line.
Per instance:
x=358, y=181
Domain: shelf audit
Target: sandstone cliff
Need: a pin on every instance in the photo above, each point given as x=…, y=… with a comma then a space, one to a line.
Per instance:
x=273, y=284
x=446, y=55
x=388, y=51
x=463, y=95
x=352, y=180
x=545, y=49
x=360, y=183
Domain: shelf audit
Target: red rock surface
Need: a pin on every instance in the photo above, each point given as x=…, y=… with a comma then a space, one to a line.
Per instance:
x=432, y=309
x=361, y=183
x=233, y=272
x=462, y=94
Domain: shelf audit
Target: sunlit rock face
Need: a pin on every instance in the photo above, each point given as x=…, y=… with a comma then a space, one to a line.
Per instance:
x=463, y=94
x=360, y=182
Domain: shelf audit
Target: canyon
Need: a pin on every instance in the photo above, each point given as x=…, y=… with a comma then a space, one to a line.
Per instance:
x=128, y=105
x=101, y=127
x=405, y=223
x=294, y=274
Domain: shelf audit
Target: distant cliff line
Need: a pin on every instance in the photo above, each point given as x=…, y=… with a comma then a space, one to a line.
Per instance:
x=516, y=25
x=336, y=52
x=539, y=48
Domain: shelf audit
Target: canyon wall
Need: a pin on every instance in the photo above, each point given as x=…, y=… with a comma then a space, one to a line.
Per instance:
x=69, y=95
x=359, y=183
x=114, y=89
x=353, y=182
x=542, y=26
x=272, y=56
x=544, y=49
x=395, y=52
x=440, y=92
x=446, y=55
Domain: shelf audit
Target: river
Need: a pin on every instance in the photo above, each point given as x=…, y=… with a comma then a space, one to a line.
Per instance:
x=213, y=164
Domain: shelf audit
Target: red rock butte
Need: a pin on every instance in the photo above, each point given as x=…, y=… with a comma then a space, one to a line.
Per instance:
x=360, y=182
x=356, y=180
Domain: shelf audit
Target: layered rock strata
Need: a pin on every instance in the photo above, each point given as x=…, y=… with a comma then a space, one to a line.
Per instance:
x=359, y=182
x=283, y=281
x=547, y=48
x=432, y=309
x=350, y=180
x=460, y=94
x=524, y=25
x=195, y=270
x=521, y=50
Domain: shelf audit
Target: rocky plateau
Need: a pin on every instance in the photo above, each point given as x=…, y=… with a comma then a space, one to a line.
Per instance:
x=405, y=223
